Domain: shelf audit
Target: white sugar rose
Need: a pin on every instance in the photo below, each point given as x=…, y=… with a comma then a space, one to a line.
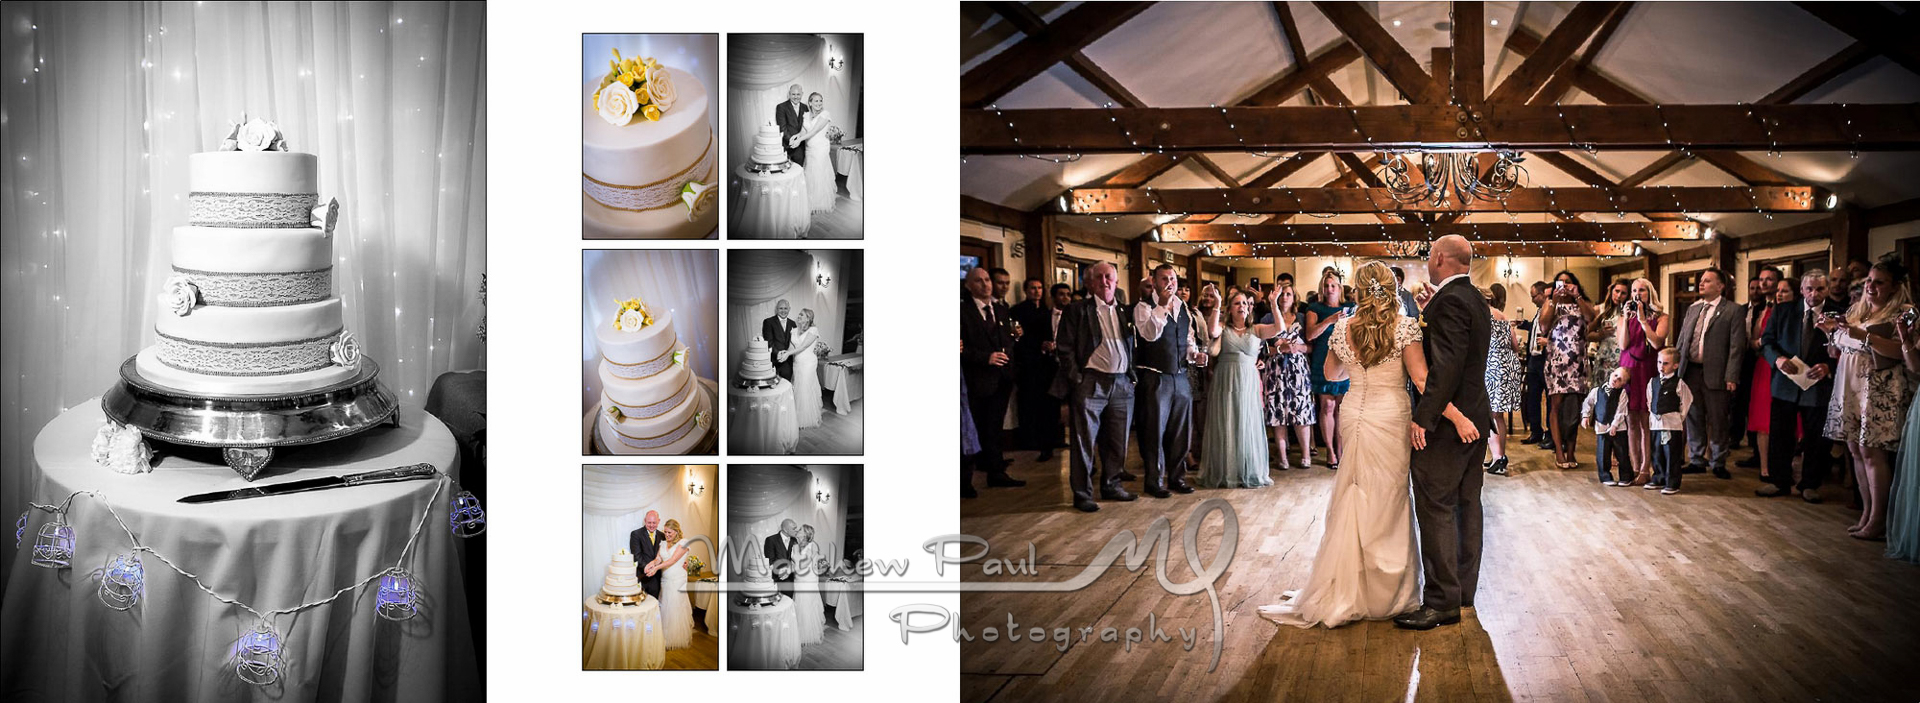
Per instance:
x=324, y=216
x=127, y=452
x=102, y=441
x=259, y=135
x=616, y=104
x=698, y=198
x=179, y=295
x=631, y=320
x=345, y=350
x=660, y=88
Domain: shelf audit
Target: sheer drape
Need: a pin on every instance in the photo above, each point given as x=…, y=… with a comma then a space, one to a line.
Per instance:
x=758, y=279
x=760, y=497
x=103, y=102
x=614, y=501
x=683, y=282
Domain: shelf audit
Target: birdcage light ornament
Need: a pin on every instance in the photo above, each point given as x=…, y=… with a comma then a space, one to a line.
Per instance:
x=465, y=515
x=259, y=656
x=123, y=581
x=53, y=548
x=20, y=526
x=399, y=595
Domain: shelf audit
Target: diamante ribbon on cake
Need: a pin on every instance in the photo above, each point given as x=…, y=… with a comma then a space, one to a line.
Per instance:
x=656, y=441
x=252, y=210
x=224, y=359
x=255, y=290
x=651, y=196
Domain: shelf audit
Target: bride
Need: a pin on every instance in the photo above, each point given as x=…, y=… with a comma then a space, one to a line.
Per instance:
x=810, y=611
x=1368, y=566
x=821, y=188
x=806, y=371
x=676, y=611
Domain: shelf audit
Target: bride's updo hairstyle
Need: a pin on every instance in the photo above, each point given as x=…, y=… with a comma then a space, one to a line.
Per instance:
x=1376, y=313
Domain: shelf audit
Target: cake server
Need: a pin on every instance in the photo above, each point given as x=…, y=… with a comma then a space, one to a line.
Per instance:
x=404, y=473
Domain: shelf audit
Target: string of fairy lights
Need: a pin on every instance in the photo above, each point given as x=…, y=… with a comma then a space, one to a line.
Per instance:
x=259, y=656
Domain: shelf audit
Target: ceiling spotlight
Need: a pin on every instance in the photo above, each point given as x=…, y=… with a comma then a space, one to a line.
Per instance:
x=1062, y=202
x=1496, y=23
x=1396, y=23
x=1710, y=232
x=1833, y=201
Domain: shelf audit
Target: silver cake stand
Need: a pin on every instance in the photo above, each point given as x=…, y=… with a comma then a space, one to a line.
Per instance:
x=248, y=428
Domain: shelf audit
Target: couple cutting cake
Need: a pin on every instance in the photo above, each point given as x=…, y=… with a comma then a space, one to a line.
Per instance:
x=794, y=557
x=661, y=548
x=796, y=357
x=807, y=133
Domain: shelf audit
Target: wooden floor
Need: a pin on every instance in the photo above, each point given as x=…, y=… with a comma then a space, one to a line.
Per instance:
x=702, y=655
x=1587, y=593
x=837, y=650
x=836, y=433
x=847, y=219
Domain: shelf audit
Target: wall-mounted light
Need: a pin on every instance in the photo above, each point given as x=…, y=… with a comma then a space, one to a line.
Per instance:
x=695, y=487
x=1833, y=201
x=836, y=63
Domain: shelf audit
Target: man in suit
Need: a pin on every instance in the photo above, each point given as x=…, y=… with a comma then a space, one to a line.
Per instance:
x=778, y=331
x=1713, y=336
x=791, y=116
x=1095, y=353
x=1446, y=471
x=1535, y=387
x=778, y=549
x=987, y=364
x=1164, y=401
x=1033, y=355
x=1790, y=336
x=644, y=545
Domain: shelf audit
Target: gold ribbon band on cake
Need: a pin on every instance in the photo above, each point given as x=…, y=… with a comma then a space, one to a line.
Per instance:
x=656, y=441
x=659, y=194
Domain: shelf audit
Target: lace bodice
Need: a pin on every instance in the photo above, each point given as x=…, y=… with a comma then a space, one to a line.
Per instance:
x=1389, y=373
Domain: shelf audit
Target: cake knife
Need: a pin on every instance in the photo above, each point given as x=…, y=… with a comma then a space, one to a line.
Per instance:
x=404, y=473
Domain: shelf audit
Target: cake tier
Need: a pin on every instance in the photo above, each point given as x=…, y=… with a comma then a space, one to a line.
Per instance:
x=673, y=436
x=244, y=250
x=757, y=363
x=647, y=398
x=759, y=588
x=638, y=353
x=149, y=364
x=601, y=222
x=252, y=189
x=645, y=153
x=237, y=326
x=632, y=589
x=767, y=149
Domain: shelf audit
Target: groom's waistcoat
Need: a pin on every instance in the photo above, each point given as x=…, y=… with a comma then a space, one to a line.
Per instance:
x=1168, y=354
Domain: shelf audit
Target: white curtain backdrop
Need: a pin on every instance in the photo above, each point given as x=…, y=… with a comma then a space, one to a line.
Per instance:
x=103, y=102
x=614, y=501
x=760, y=68
x=684, y=282
x=757, y=279
x=698, y=54
x=760, y=497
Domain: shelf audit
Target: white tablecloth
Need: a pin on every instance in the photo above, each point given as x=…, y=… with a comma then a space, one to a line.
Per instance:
x=762, y=420
x=763, y=638
x=704, y=600
x=846, y=376
x=63, y=644
x=851, y=162
x=848, y=599
x=769, y=205
x=622, y=636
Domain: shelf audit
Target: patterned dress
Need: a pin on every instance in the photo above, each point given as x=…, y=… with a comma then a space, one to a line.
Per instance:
x=1289, y=392
x=1504, y=372
x=1606, y=352
x=1869, y=406
x=1567, y=351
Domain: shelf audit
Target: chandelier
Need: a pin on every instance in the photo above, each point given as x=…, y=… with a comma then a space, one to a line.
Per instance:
x=1450, y=175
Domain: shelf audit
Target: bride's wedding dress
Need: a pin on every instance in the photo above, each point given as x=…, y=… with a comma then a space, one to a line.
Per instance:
x=676, y=608
x=809, y=610
x=1368, y=566
x=806, y=379
x=821, y=188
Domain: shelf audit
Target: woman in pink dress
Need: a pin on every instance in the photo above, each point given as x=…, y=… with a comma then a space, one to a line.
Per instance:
x=1643, y=328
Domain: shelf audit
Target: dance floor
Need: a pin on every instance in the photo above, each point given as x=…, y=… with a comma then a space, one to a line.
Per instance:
x=1586, y=593
x=847, y=219
x=837, y=650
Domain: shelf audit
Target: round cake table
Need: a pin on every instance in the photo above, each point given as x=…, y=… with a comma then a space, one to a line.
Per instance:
x=849, y=159
x=762, y=420
x=848, y=598
x=767, y=637
x=769, y=205
x=175, y=643
x=622, y=636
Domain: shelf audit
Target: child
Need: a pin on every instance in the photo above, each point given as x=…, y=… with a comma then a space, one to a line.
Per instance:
x=1668, y=400
x=1603, y=414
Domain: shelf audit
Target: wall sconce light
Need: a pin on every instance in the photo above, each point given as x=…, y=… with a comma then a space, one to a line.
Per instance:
x=695, y=488
x=822, y=279
x=820, y=493
x=836, y=63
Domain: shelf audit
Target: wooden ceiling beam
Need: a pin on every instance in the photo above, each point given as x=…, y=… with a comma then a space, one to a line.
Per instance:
x=1539, y=232
x=1847, y=60
x=1887, y=33
x=1893, y=213
x=1413, y=250
x=1572, y=167
x=1383, y=52
x=1336, y=200
x=1073, y=31
x=1562, y=80
x=1468, y=39
x=1665, y=163
x=1566, y=38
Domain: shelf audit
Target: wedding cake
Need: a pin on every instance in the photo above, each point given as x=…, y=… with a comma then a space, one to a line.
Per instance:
x=759, y=583
x=250, y=307
x=767, y=148
x=757, y=365
x=621, y=585
x=648, y=152
x=650, y=401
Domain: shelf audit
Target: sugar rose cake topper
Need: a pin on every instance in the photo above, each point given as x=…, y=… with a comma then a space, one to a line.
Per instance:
x=632, y=315
x=253, y=134
x=634, y=86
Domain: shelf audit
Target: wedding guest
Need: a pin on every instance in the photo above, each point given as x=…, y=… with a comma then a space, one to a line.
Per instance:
x=1002, y=283
x=1903, y=499
x=1643, y=332
x=1039, y=413
x=1758, y=389
x=1712, y=338
x=1603, y=340
x=1164, y=402
x=1760, y=293
x=1503, y=376
x=1200, y=375
x=1535, y=384
x=1566, y=317
x=1669, y=399
x=1408, y=306
x=1319, y=329
x=1792, y=343
x=988, y=367
x=969, y=438
x=1095, y=353
x=1872, y=389
x=1262, y=300
x=1289, y=388
x=1602, y=413
x=1236, y=449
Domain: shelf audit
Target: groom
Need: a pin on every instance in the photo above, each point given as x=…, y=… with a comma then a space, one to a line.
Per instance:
x=1446, y=471
x=778, y=331
x=792, y=117
x=778, y=549
x=644, y=545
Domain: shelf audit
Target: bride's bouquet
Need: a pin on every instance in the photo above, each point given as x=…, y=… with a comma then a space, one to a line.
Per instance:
x=834, y=133
x=821, y=349
x=693, y=564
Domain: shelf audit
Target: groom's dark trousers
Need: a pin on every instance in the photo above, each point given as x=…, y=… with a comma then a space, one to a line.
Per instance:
x=1447, y=474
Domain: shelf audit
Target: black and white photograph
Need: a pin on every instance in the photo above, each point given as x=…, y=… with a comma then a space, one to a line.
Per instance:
x=245, y=364
x=648, y=349
x=1479, y=351
x=646, y=534
x=796, y=136
x=795, y=352
x=795, y=563
x=649, y=162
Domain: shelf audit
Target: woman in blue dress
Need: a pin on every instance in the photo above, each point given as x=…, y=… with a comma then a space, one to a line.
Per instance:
x=1903, y=501
x=1234, y=451
x=1321, y=314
